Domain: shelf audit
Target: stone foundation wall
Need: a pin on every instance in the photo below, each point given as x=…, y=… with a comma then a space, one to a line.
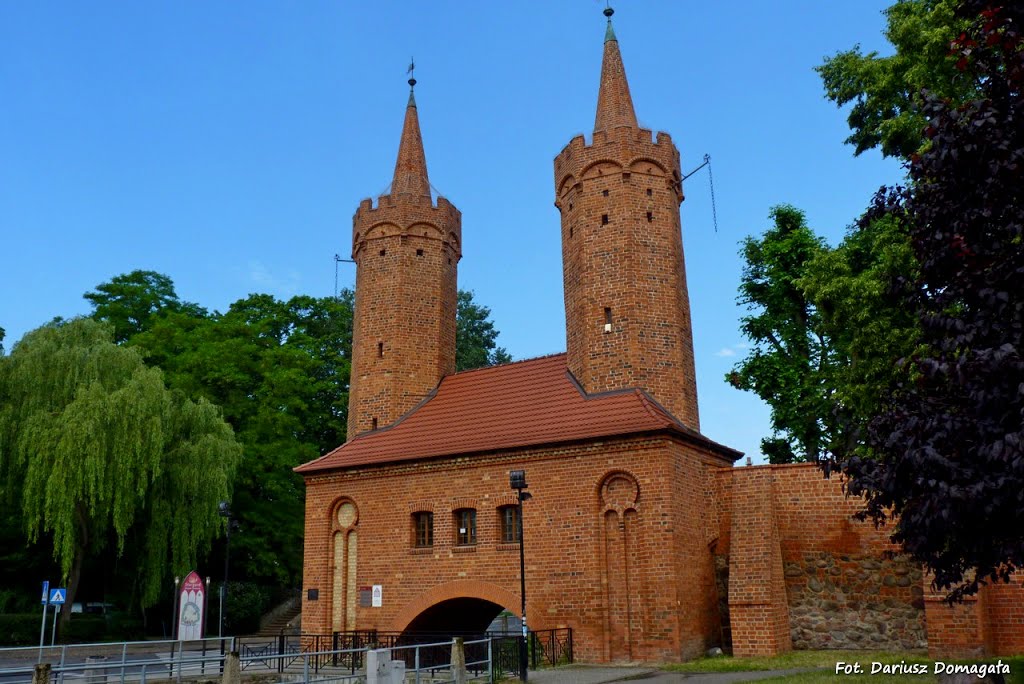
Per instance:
x=855, y=602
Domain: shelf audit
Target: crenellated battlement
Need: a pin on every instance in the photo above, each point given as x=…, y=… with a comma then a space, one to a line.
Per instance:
x=624, y=149
x=407, y=216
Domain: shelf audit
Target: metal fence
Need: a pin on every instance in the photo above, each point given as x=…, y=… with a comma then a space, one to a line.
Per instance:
x=292, y=659
x=337, y=657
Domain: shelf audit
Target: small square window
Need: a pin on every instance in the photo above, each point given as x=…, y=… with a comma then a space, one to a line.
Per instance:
x=649, y=192
x=604, y=192
x=382, y=252
x=423, y=529
x=419, y=252
x=604, y=219
x=465, y=527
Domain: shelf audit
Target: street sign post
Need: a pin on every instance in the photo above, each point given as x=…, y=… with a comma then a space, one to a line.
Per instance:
x=42, y=627
x=57, y=596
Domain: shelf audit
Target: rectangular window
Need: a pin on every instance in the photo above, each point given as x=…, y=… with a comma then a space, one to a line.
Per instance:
x=511, y=531
x=465, y=527
x=423, y=526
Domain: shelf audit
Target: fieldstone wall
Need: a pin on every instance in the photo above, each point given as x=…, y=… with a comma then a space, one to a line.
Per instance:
x=855, y=601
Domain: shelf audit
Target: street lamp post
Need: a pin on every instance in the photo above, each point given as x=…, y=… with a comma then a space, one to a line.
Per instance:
x=225, y=512
x=517, y=480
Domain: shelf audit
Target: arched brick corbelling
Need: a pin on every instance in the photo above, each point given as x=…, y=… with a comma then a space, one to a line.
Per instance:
x=417, y=229
x=647, y=160
x=597, y=162
x=453, y=590
x=566, y=184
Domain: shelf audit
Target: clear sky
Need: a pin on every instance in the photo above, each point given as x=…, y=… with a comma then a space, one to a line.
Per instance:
x=227, y=145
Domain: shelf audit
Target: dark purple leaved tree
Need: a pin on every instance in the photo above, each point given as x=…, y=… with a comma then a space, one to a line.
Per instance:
x=947, y=450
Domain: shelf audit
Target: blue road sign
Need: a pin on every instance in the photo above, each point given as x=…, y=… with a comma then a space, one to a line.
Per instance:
x=57, y=596
x=46, y=592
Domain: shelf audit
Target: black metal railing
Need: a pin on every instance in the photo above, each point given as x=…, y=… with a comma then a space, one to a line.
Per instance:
x=344, y=650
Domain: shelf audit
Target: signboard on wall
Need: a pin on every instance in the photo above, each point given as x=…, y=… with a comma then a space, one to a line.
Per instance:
x=377, y=596
x=191, y=607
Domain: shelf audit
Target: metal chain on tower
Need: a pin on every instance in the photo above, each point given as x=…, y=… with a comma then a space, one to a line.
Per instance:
x=711, y=183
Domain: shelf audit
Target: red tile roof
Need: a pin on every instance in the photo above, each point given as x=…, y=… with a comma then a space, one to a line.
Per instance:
x=522, y=404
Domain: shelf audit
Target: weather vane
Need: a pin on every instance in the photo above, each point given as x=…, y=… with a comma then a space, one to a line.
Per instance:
x=411, y=71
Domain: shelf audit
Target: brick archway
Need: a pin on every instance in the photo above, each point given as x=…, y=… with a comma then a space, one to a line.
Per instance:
x=455, y=590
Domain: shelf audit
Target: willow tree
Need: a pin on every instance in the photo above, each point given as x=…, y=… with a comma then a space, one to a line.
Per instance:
x=95, y=447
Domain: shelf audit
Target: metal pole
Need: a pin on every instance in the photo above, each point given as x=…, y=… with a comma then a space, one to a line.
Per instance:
x=53, y=630
x=522, y=588
x=224, y=587
x=174, y=610
x=42, y=631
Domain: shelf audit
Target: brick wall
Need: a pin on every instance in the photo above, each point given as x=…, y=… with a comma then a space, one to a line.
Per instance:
x=845, y=585
x=622, y=260
x=606, y=544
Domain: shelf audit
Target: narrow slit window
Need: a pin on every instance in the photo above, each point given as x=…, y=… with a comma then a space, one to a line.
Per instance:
x=650, y=217
x=649, y=192
x=570, y=231
x=373, y=424
x=607, y=319
x=570, y=206
x=604, y=219
x=380, y=350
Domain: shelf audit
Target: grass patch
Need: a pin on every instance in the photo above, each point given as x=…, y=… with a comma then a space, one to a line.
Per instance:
x=824, y=666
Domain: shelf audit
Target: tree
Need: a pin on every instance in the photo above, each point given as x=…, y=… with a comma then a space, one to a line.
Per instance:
x=130, y=301
x=791, y=356
x=886, y=91
x=475, y=336
x=91, y=443
x=280, y=373
x=946, y=461
x=856, y=290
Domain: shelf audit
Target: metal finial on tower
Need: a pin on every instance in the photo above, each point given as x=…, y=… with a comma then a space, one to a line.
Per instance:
x=608, y=11
x=411, y=71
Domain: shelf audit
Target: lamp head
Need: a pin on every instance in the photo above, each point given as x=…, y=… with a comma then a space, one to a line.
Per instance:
x=517, y=479
x=224, y=509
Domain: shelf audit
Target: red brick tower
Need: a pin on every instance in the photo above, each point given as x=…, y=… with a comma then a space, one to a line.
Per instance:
x=406, y=251
x=626, y=306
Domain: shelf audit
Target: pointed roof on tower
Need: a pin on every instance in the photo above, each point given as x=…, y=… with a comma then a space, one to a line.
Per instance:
x=411, y=167
x=614, y=104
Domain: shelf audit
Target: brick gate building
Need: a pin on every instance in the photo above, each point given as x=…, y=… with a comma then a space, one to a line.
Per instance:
x=640, y=535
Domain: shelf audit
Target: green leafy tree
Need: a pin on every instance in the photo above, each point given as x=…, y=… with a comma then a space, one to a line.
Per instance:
x=280, y=373
x=885, y=93
x=94, y=445
x=130, y=301
x=790, y=358
x=856, y=289
x=475, y=336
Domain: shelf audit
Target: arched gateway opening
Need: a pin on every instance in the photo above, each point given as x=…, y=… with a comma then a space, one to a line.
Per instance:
x=463, y=615
x=458, y=607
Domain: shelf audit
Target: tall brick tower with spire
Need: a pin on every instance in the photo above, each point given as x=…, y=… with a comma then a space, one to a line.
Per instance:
x=407, y=250
x=626, y=305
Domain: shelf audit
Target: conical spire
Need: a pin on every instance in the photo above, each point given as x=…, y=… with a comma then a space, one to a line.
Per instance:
x=411, y=167
x=614, y=105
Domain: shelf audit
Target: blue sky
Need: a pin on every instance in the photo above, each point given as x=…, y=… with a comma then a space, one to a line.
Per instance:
x=228, y=145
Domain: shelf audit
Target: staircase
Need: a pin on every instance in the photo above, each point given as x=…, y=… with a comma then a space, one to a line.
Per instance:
x=281, y=617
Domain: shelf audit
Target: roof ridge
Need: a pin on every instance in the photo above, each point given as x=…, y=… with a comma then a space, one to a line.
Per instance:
x=505, y=365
